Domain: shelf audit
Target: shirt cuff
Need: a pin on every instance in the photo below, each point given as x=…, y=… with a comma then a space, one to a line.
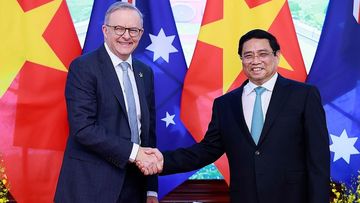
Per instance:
x=134, y=152
x=152, y=194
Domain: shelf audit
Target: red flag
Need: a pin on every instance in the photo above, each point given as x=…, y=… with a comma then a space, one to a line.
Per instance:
x=216, y=67
x=39, y=42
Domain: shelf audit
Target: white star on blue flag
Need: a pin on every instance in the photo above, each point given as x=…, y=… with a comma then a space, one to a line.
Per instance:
x=343, y=146
x=161, y=45
x=169, y=119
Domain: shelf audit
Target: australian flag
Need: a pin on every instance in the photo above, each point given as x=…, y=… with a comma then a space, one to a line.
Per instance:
x=159, y=48
x=336, y=72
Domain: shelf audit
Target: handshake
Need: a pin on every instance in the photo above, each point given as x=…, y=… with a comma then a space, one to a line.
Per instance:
x=149, y=160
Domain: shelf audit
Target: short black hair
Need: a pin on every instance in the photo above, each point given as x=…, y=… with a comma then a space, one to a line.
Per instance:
x=259, y=34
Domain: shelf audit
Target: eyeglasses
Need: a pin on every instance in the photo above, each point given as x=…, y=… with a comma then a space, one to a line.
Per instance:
x=250, y=56
x=120, y=30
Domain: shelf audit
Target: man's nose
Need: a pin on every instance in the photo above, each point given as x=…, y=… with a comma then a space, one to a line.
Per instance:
x=126, y=34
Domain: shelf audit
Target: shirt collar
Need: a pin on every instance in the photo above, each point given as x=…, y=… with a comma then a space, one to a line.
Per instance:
x=268, y=85
x=116, y=60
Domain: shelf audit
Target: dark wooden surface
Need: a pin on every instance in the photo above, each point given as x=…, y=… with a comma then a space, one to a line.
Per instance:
x=210, y=191
x=199, y=191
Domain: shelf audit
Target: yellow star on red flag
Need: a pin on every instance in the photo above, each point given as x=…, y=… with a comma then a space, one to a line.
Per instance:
x=38, y=42
x=238, y=19
x=22, y=39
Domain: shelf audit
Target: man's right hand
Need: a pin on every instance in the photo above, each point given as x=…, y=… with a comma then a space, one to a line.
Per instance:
x=150, y=161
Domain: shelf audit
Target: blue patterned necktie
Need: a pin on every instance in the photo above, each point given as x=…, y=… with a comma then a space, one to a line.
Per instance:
x=257, y=117
x=130, y=100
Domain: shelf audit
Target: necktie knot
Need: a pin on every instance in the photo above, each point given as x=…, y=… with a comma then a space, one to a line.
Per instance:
x=259, y=90
x=124, y=66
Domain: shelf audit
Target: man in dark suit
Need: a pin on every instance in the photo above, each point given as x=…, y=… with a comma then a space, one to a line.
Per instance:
x=111, y=113
x=276, y=142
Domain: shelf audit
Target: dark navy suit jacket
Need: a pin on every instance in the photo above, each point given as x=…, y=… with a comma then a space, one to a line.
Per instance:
x=96, y=160
x=290, y=164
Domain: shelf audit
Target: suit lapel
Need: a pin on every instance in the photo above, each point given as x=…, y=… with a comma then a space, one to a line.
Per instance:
x=277, y=101
x=239, y=113
x=111, y=77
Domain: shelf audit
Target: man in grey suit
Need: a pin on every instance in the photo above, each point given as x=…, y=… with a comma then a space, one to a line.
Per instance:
x=272, y=129
x=111, y=113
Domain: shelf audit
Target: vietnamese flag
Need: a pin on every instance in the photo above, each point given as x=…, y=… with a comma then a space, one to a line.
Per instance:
x=216, y=67
x=38, y=42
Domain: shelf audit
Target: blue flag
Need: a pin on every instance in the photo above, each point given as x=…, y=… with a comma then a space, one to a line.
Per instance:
x=159, y=48
x=336, y=72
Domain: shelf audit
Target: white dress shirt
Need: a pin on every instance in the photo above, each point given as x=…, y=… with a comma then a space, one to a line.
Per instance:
x=249, y=95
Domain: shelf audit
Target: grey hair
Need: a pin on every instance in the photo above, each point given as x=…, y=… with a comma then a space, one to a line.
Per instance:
x=121, y=6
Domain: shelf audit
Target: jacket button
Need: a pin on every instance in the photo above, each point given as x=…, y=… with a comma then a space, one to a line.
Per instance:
x=257, y=153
